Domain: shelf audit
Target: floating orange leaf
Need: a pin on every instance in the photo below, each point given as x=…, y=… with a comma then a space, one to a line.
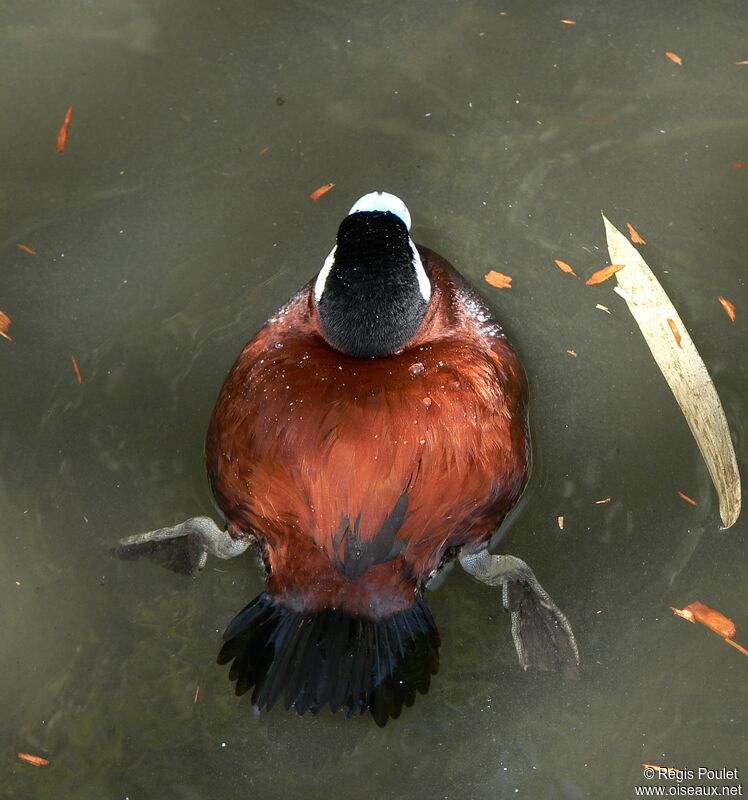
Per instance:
x=714, y=620
x=568, y=21
x=26, y=249
x=603, y=274
x=571, y=352
x=740, y=164
x=602, y=500
x=676, y=332
x=4, y=325
x=633, y=234
x=656, y=766
x=197, y=694
x=30, y=758
x=320, y=190
x=562, y=265
x=77, y=371
x=674, y=57
x=498, y=279
x=265, y=149
x=687, y=498
x=728, y=306
x=62, y=134
x=741, y=62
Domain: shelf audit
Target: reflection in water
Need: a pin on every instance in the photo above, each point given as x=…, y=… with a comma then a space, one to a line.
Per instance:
x=165, y=238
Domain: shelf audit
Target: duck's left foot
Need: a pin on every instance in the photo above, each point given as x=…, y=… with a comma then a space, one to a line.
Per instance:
x=542, y=634
x=184, y=547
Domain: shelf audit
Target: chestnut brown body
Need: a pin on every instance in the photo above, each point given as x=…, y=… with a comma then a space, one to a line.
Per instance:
x=358, y=476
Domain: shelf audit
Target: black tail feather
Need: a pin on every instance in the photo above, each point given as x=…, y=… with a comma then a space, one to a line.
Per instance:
x=331, y=658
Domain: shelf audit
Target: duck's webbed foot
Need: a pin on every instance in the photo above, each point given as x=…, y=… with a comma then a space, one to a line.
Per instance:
x=184, y=547
x=542, y=634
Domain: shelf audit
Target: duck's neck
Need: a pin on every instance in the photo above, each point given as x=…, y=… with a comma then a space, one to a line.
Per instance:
x=373, y=292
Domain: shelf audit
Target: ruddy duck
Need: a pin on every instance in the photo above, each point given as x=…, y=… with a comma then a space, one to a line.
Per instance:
x=371, y=431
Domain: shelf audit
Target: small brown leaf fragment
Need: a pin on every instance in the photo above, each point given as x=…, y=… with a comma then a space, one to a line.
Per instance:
x=77, y=370
x=571, y=353
x=562, y=265
x=657, y=766
x=568, y=21
x=4, y=325
x=728, y=306
x=26, y=249
x=741, y=62
x=714, y=620
x=320, y=190
x=687, y=498
x=740, y=164
x=602, y=500
x=35, y=761
x=603, y=274
x=634, y=235
x=62, y=134
x=498, y=279
x=197, y=694
x=265, y=149
x=560, y=521
x=674, y=57
x=676, y=332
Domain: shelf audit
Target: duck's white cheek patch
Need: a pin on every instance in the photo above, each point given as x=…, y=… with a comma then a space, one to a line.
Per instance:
x=424, y=285
x=319, y=286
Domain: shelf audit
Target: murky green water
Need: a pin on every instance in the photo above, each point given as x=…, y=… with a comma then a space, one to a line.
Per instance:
x=165, y=238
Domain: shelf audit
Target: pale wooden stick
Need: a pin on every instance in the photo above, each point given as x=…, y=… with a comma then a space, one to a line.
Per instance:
x=682, y=367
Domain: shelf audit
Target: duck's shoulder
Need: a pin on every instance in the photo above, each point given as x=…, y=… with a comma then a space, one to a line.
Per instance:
x=295, y=318
x=456, y=300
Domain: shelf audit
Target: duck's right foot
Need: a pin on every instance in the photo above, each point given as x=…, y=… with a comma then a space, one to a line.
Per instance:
x=184, y=547
x=542, y=635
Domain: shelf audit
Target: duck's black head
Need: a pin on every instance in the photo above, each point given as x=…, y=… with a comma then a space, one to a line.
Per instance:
x=372, y=291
